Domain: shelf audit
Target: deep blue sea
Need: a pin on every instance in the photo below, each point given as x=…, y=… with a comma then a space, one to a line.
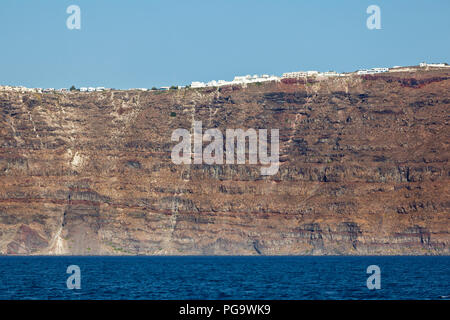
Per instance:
x=224, y=278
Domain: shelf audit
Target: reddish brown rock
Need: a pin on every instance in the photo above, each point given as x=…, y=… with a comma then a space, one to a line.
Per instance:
x=364, y=170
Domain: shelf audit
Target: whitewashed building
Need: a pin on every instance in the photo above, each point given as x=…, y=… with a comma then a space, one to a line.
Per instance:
x=372, y=71
x=294, y=75
x=329, y=74
x=436, y=65
x=379, y=70
x=303, y=74
x=253, y=79
x=237, y=80
x=20, y=89
x=312, y=73
x=212, y=83
x=197, y=84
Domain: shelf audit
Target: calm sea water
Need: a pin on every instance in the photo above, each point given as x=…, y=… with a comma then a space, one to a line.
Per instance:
x=225, y=278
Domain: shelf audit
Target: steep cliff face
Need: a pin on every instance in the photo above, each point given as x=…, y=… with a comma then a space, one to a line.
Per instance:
x=364, y=170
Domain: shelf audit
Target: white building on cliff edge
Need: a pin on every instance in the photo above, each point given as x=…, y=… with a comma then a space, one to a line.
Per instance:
x=436, y=65
x=372, y=71
x=238, y=80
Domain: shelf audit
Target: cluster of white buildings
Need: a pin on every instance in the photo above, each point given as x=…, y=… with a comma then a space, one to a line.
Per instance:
x=23, y=89
x=265, y=78
x=438, y=65
x=47, y=90
x=237, y=80
x=372, y=71
x=92, y=89
x=303, y=74
x=20, y=89
x=311, y=73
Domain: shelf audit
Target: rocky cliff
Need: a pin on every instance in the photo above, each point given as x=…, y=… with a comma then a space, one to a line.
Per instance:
x=364, y=170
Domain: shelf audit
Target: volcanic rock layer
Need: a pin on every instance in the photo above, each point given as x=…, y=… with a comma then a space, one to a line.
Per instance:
x=364, y=170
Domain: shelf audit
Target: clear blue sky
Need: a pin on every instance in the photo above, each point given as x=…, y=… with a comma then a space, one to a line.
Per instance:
x=126, y=44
